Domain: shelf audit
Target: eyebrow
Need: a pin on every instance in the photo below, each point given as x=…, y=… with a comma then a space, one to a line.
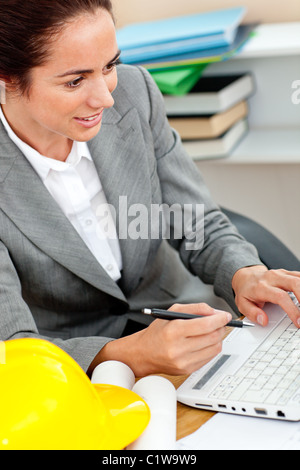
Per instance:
x=80, y=72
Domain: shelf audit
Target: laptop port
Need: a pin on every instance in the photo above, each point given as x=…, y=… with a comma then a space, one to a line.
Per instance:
x=261, y=411
x=222, y=406
x=280, y=414
x=201, y=405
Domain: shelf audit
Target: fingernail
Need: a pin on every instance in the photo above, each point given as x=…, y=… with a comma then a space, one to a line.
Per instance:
x=298, y=322
x=260, y=320
x=229, y=317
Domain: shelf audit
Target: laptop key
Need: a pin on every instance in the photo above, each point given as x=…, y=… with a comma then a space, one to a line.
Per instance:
x=256, y=396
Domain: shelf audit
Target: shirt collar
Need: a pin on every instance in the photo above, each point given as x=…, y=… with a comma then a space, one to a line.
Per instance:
x=42, y=164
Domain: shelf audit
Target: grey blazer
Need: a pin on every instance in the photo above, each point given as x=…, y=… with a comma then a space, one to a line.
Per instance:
x=52, y=287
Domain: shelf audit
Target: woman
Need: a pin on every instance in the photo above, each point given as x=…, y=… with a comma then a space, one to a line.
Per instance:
x=74, y=141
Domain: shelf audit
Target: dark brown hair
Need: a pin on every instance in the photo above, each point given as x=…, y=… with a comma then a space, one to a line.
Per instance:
x=26, y=26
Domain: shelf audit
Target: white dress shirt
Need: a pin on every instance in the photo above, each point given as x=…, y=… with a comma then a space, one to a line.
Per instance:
x=76, y=187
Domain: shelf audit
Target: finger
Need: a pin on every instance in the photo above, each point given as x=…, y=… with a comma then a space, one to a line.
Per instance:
x=204, y=326
x=291, y=273
x=290, y=309
x=199, y=343
x=275, y=289
x=192, y=361
x=281, y=297
x=183, y=355
x=201, y=358
x=288, y=281
x=194, y=309
x=201, y=309
x=275, y=296
x=255, y=313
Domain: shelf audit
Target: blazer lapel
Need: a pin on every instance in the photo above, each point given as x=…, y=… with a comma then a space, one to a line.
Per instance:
x=118, y=152
x=28, y=204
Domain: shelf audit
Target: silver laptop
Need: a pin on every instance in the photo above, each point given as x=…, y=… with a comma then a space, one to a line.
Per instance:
x=257, y=373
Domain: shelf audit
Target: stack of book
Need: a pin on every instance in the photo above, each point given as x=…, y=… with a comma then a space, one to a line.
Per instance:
x=177, y=50
x=212, y=118
x=210, y=113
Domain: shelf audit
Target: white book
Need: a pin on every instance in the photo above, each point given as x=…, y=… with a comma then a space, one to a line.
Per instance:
x=220, y=147
x=212, y=94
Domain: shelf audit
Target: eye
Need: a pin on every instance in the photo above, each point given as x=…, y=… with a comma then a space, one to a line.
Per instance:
x=110, y=67
x=75, y=83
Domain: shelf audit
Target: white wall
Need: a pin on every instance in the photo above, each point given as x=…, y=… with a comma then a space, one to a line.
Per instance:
x=268, y=11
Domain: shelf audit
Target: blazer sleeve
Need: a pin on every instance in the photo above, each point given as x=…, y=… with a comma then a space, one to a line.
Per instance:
x=223, y=250
x=16, y=319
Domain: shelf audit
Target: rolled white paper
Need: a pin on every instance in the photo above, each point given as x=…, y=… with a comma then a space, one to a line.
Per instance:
x=114, y=373
x=160, y=395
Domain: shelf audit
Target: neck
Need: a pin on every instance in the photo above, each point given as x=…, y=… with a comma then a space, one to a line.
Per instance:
x=49, y=144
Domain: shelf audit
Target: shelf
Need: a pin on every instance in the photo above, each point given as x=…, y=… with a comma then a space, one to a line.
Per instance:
x=263, y=146
x=272, y=55
x=272, y=40
x=274, y=146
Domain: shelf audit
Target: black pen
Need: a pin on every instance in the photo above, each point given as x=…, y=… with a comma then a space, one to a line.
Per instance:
x=168, y=315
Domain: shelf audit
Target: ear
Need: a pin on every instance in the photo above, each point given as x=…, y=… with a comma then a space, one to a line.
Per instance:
x=2, y=91
x=7, y=85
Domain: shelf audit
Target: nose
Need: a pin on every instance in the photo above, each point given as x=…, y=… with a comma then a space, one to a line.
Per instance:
x=100, y=95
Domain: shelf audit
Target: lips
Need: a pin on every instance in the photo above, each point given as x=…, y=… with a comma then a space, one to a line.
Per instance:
x=89, y=121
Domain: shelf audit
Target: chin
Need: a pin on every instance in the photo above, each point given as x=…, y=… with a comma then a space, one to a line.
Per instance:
x=85, y=135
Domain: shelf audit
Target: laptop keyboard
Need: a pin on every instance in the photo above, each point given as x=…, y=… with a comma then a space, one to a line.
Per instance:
x=271, y=375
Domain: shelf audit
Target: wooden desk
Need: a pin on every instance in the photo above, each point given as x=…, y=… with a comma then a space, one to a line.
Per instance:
x=188, y=419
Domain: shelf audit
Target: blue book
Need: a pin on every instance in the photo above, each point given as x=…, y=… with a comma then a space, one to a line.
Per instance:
x=197, y=58
x=179, y=35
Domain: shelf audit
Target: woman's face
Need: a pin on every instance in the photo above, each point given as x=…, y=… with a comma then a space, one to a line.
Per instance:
x=69, y=93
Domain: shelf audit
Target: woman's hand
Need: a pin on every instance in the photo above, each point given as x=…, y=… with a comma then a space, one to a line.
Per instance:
x=256, y=285
x=176, y=347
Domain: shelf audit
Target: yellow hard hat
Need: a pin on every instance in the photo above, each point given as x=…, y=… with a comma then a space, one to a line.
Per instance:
x=47, y=402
